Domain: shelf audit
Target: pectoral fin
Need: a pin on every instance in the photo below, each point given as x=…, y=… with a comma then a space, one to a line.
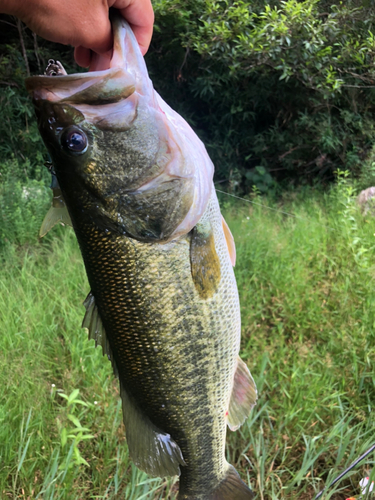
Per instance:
x=54, y=216
x=243, y=398
x=152, y=450
x=57, y=214
x=230, y=242
x=205, y=264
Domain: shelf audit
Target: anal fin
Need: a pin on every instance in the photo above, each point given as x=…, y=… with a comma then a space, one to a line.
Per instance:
x=151, y=449
x=243, y=398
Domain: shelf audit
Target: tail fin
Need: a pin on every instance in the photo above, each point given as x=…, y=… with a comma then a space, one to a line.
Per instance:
x=230, y=488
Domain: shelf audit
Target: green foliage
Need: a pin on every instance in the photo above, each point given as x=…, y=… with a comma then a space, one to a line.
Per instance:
x=73, y=436
x=19, y=136
x=23, y=206
x=293, y=38
x=284, y=88
x=305, y=275
x=22, y=54
x=305, y=282
x=260, y=178
x=288, y=86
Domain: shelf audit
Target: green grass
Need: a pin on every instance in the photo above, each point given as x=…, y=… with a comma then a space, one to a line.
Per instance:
x=308, y=307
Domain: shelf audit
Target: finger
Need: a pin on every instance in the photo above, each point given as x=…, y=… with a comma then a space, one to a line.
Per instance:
x=82, y=56
x=98, y=35
x=140, y=15
x=143, y=36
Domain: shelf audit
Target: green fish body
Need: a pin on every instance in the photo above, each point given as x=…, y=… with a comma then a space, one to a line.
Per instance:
x=163, y=304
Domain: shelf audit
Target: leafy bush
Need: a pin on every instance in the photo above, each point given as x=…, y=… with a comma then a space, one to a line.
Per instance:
x=278, y=91
x=23, y=205
x=22, y=54
x=19, y=136
x=286, y=86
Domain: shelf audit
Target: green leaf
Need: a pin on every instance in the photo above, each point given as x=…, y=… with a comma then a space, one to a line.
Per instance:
x=75, y=421
x=63, y=437
x=72, y=397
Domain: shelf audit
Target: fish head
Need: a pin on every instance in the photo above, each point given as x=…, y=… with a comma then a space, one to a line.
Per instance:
x=121, y=155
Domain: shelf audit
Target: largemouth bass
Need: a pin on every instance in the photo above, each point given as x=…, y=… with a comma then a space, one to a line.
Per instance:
x=163, y=305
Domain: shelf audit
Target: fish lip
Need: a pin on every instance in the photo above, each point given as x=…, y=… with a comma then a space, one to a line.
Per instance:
x=59, y=88
x=64, y=87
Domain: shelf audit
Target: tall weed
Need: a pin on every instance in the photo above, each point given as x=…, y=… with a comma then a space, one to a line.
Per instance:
x=305, y=278
x=23, y=205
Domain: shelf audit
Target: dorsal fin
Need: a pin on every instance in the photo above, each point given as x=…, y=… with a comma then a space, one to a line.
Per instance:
x=94, y=324
x=230, y=241
x=243, y=398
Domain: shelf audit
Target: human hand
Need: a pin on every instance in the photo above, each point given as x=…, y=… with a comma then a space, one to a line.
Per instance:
x=82, y=23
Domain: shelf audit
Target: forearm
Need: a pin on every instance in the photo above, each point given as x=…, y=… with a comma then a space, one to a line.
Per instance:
x=11, y=7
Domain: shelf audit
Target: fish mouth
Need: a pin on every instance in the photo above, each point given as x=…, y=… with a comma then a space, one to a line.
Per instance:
x=112, y=77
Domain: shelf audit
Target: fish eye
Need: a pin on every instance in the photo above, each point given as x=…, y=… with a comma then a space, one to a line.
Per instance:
x=74, y=140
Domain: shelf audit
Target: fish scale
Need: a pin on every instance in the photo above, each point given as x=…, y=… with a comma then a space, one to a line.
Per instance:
x=141, y=310
x=119, y=272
